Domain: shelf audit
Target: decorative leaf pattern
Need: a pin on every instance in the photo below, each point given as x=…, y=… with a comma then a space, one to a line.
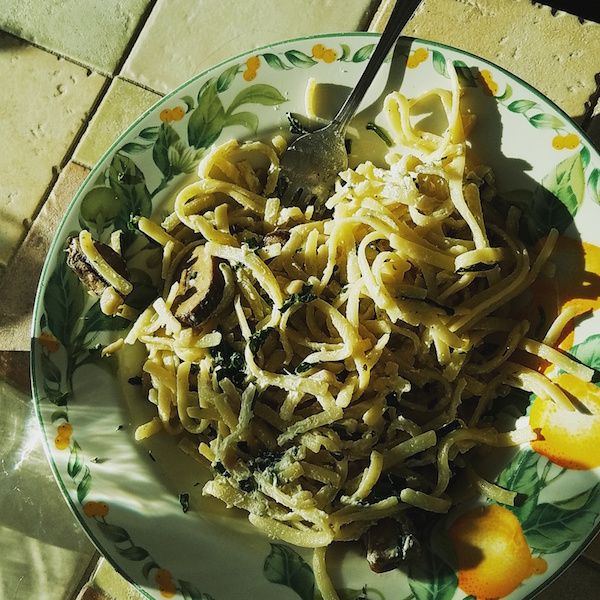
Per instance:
x=286, y=567
x=122, y=193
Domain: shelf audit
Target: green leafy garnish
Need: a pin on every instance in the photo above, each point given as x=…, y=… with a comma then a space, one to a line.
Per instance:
x=258, y=338
x=229, y=364
x=303, y=297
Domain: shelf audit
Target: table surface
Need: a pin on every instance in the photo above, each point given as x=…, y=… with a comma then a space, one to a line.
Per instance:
x=75, y=73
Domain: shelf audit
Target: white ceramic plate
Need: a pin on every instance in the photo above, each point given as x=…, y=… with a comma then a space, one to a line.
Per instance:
x=127, y=495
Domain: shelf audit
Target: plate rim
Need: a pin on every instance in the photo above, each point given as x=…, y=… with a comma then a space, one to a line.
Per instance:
x=52, y=252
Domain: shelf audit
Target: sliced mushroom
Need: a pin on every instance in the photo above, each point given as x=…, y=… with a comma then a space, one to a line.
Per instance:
x=277, y=236
x=201, y=288
x=90, y=278
x=391, y=542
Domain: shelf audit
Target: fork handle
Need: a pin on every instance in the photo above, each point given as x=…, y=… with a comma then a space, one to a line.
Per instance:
x=401, y=13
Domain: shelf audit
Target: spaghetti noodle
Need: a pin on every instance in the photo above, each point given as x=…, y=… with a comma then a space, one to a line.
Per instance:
x=332, y=367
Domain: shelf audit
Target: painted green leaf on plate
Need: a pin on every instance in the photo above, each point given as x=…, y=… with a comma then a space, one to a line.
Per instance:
x=594, y=184
x=555, y=202
x=59, y=414
x=275, y=62
x=129, y=184
x=259, y=93
x=521, y=106
x=580, y=501
x=84, y=485
x=439, y=63
x=95, y=320
x=226, y=78
x=191, y=592
x=75, y=464
x=567, y=182
x=588, y=351
x=431, y=578
x=551, y=527
x=585, y=156
x=245, y=119
x=286, y=567
x=521, y=475
x=50, y=371
x=207, y=119
x=300, y=59
x=134, y=148
x=506, y=94
x=99, y=207
x=151, y=133
x=133, y=553
x=63, y=302
x=464, y=74
x=148, y=567
x=167, y=136
x=114, y=533
x=345, y=55
x=363, y=53
x=545, y=121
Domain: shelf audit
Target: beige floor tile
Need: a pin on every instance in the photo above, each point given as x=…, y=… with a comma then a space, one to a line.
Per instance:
x=17, y=293
x=111, y=585
x=41, y=113
x=182, y=38
x=87, y=31
x=556, y=54
x=121, y=105
x=45, y=552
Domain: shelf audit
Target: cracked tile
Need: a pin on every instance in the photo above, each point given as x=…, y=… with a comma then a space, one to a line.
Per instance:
x=41, y=113
x=180, y=39
x=57, y=26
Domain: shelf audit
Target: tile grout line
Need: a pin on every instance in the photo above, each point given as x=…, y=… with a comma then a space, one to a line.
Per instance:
x=68, y=155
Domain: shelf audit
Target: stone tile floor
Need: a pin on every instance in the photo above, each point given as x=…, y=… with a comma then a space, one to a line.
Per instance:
x=72, y=89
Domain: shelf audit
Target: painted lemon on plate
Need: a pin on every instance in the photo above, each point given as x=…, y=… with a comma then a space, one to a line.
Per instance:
x=569, y=438
x=493, y=555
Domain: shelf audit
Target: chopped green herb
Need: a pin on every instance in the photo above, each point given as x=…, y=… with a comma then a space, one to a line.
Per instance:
x=303, y=367
x=476, y=268
x=304, y=297
x=258, y=338
x=151, y=456
x=252, y=243
x=184, y=500
x=220, y=469
x=247, y=485
x=265, y=459
x=98, y=461
x=229, y=363
x=243, y=446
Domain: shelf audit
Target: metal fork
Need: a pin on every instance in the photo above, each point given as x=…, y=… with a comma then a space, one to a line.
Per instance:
x=310, y=166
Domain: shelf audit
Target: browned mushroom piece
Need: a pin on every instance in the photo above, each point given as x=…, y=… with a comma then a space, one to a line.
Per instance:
x=90, y=278
x=391, y=542
x=277, y=236
x=201, y=288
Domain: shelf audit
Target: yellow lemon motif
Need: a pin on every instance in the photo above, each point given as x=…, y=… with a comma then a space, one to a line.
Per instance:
x=493, y=555
x=568, y=438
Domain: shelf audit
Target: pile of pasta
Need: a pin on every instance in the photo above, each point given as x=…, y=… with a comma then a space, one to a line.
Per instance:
x=350, y=356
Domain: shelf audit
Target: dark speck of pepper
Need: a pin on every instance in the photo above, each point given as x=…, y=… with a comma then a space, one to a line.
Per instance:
x=137, y=380
x=184, y=500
